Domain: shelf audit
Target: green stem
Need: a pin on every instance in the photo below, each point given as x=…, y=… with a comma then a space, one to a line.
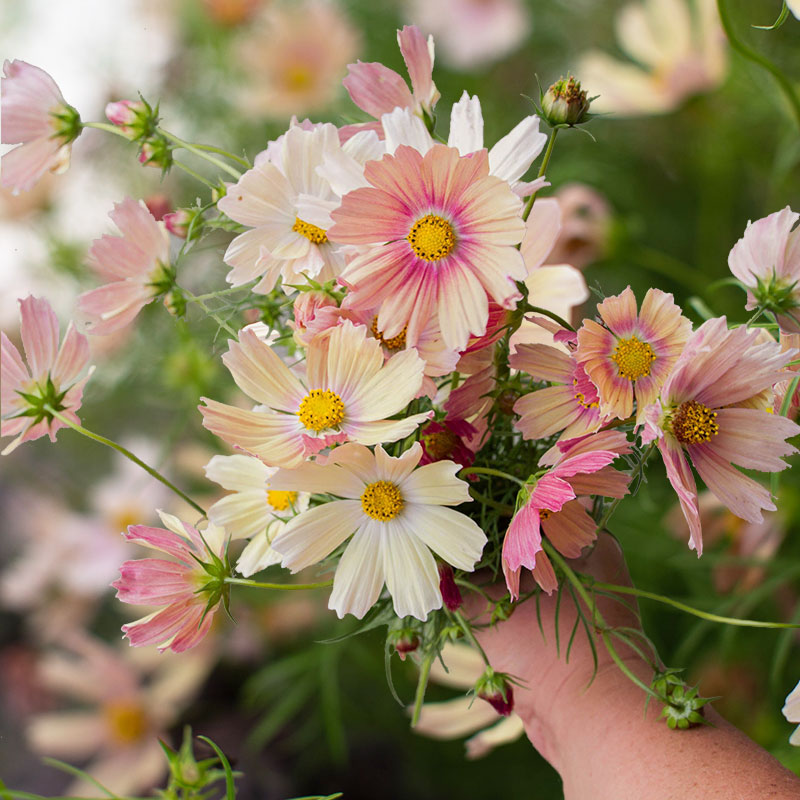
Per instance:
x=212, y=149
x=759, y=312
x=198, y=301
x=489, y=471
x=465, y=626
x=526, y=212
x=284, y=586
x=127, y=453
x=625, y=669
x=740, y=47
x=422, y=684
x=487, y=501
x=193, y=149
x=222, y=292
x=196, y=175
x=545, y=313
x=107, y=127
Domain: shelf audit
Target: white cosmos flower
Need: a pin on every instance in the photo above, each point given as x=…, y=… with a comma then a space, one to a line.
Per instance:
x=254, y=511
x=396, y=514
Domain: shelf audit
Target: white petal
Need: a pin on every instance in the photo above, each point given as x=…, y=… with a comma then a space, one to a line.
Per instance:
x=436, y=484
x=396, y=470
x=259, y=554
x=401, y=126
x=510, y=158
x=243, y=514
x=453, y=536
x=359, y=576
x=466, y=125
x=454, y=718
x=239, y=473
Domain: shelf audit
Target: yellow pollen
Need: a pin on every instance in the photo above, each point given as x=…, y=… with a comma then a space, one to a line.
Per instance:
x=581, y=398
x=694, y=423
x=321, y=409
x=382, y=500
x=311, y=232
x=281, y=500
x=127, y=721
x=544, y=513
x=633, y=358
x=392, y=343
x=440, y=444
x=298, y=77
x=432, y=238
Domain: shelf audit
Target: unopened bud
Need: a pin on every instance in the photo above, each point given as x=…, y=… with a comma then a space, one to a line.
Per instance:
x=404, y=641
x=182, y=222
x=175, y=303
x=565, y=103
x=451, y=594
x=682, y=704
x=495, y=689
x=506, y=400
x=156, y=152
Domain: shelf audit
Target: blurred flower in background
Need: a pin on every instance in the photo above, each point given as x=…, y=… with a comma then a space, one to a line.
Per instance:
x=585, y=226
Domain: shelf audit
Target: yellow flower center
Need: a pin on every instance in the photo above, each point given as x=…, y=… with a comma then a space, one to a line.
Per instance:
x=124, y=517
x=321, y=409
x=280, y=500
x=585, y=401
x=298, y=77
x=311, y=232
x=694, y=423
x=432, y=238
x=440, y=444
x=544, y=513
x=392, y=343
x=127, y=721
x=633, y=358
x=382, y=500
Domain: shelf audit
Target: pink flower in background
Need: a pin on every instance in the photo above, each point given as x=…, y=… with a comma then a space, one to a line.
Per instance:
x=35, y=116
x=136, y=264
x=677, y=54
x=767, y=261
x=632, y=353
x=191, y=588
x=711, y=409
x=472, y=33
x=378, y=90
x=585, y=226
x=442, y=233
x=50, y=377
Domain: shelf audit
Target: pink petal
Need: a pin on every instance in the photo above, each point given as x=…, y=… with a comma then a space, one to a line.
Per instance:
x=39, y=330
x=376, y=89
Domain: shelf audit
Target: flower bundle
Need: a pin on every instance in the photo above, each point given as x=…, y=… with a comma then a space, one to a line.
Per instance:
x=419, y=415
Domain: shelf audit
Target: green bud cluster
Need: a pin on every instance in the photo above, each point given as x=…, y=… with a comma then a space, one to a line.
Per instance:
x=682, y=703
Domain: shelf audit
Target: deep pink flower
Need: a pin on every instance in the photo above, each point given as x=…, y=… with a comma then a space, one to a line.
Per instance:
x=136, y=264
x=447, y=440
x=714, y=407
x=35, y=116
x=451, y=594
x=50, y=378
x=191, y=588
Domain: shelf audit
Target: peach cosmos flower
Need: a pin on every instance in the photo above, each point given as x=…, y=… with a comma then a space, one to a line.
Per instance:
x=677, y=54
x=39, y=120
x=190, y=588
x=136, y=263
x=396, y=512
x=767, y=261
x=712, y=409
x=50, y=377
x=348, y=395
x=580, y=467
x=632, y=353
x=441, y=234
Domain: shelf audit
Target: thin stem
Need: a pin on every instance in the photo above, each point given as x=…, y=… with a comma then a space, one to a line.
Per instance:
x=489, y=471
x=127, y=453
x=465, y=626
x=198, y=301
x=422, y=684
x=546, y=313
x=196, y=175
x=193, y=149
x=487, y=501
x=740, y=47
x=759, y=311
x=221, y=292
x=107, y=127
x=625, y=669
x=542, y=169
x=213, y=149
x=284, y=586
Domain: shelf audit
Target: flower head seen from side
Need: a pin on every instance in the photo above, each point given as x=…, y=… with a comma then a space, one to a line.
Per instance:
x=191, y=588
x=396, y=513
x=440, y=237
x=581, y=468
x=136, y=265
x=49, y=379
x=767, y=261
x=712, y=410
x=253, y=511
x=349, y=394
x=631, y=354
x=37, y=119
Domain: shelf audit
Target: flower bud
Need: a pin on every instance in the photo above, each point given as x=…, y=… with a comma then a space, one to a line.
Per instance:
x=451, y=594
x=156, y=152
x=495, y=689
x=404, y=641
x=682, y=704
x=506, y=400
x=565, y=103
x=184, y=221
x=175, y=302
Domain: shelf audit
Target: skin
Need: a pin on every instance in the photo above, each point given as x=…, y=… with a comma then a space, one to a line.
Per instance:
x=598, y=738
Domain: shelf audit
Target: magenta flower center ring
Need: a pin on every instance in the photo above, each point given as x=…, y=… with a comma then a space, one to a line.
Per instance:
x=694, y=423
x=314, y=234
x=633, y=358
x=281, y=500
x=432, y=238
x=382, y=500
x=321, y=409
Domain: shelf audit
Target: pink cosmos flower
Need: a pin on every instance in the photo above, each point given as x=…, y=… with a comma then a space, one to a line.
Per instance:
x=632, y=353
x=712, y=408
x=190, y=588
x=586, y=225
x=442, y=235
x=767, y=261
x=378, y=90
x=348, y=396
x=136, y=264
x=50, y=378
x=35, y=116
x=581, y=468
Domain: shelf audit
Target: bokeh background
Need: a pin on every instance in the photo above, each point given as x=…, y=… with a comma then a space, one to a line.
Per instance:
x=693, y=142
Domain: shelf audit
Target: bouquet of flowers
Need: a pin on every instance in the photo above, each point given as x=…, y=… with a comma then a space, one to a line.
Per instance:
x=419, y=425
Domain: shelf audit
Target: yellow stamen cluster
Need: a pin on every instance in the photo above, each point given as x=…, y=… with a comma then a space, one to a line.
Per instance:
x=311, y=232
x=581, y=398
x=633, y=358
x=393, y=342
x=321, y=409
x=545, y=513
x=382, y=500
x=127, y=721
x=694, y=423
x=440, y=444
x=281, y=500
x=124, y=517
x=432, y=238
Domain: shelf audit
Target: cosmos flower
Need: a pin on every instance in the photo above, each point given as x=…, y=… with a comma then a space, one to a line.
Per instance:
x=791, y=708
x=396, y=513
